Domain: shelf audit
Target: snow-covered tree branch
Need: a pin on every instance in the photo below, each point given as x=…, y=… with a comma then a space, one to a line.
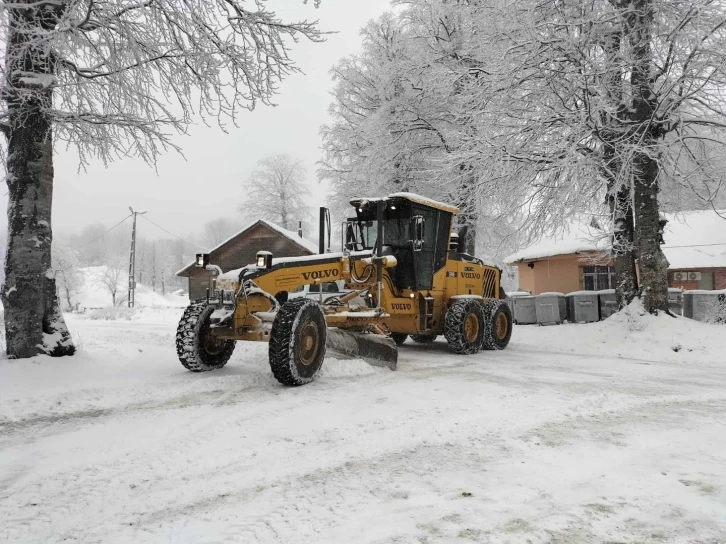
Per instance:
x=113, y=79
x=534, y=111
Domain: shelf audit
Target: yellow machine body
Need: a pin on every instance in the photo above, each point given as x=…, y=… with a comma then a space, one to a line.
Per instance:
x=403, y=311
x=406, y=278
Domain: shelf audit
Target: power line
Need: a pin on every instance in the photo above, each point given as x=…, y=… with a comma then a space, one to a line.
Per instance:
x=172, y=234
x=104, y=234
x=696, y=245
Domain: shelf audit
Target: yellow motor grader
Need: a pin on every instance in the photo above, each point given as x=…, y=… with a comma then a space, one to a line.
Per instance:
x=407, y=278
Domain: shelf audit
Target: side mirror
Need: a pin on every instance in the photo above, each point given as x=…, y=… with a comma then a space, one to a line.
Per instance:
x=417, y=231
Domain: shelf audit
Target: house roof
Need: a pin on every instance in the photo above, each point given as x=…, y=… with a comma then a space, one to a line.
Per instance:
x=290, y=235
x=693, y=239
x=580, y=235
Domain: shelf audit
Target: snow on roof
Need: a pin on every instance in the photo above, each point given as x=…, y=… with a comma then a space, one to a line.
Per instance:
x=290, y=235
x=418, y=199
x=413, y=197
x=579, y=236
x=694, y=239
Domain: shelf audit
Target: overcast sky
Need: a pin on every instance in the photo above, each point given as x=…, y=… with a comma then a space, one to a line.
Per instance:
x=184, y=194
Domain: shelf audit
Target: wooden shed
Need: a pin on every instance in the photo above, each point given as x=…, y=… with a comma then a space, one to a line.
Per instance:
x=241, y=249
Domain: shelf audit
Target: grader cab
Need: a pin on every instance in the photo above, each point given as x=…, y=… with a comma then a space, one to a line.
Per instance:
x=398, y=255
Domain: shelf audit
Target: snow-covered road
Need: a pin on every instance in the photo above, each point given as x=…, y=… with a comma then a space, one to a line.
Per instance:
x=563, y=437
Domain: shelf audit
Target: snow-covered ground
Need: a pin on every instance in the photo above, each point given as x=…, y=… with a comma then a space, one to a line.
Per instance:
x=610, y=432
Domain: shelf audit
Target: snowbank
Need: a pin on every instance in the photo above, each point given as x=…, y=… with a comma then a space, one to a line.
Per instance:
x=633, y=334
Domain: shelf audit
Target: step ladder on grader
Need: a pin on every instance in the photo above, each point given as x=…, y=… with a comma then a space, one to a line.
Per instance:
x=398, y=254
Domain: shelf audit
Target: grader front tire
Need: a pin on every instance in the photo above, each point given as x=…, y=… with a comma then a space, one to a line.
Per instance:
x=297, y=342
x=464, y=326
x=198, y=349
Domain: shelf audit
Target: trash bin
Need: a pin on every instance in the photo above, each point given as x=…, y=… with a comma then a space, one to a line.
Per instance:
x=608, y=303
x=523, y=310
x=550, y=308
x=696, y=304
x=704, y=305
x=515, y=294
x=583, y=307
x=675, y=300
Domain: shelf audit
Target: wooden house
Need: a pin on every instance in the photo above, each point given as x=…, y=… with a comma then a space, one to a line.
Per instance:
x=241, y=249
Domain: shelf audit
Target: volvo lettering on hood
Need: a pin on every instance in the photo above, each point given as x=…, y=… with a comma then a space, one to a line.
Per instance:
x=320, y=274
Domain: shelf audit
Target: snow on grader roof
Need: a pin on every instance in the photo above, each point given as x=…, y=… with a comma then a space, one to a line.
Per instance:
x=413, y=197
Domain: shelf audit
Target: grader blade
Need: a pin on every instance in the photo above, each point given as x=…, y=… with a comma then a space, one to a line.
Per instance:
x=374, y=349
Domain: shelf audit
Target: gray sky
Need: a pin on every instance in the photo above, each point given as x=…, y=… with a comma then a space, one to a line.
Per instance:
x=184, y=194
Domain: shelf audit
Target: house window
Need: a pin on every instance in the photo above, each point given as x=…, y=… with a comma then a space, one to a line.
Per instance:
x=597, y=278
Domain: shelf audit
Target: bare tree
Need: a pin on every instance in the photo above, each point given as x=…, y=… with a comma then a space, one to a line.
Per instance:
x=66, y=266
x=112, y=279
x=277, y=191
x=218, y=230
x=113, y=79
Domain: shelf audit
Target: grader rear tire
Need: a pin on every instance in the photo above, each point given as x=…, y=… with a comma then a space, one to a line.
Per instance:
x=297, y=342
x=423, y=338
x=498, y=325
x=198, y=349
x=464, y=326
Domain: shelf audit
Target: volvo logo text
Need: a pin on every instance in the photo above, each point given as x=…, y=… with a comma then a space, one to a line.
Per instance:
x=320, y=274
x=472, y=275
x=401, y=306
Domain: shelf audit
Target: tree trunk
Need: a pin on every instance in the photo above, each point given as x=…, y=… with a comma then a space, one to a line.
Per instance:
x=648, y=236
x=469, y=213
x=619, y=199
x=626, y=279
x=33, y=321
x=645, y=168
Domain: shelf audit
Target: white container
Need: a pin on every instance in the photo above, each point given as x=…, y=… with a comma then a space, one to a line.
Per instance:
x=704, y=305
x=550, y=308
x=608, y=303
x=523, y=310
x=696, y=304
x=583, y=307
x=675, y=300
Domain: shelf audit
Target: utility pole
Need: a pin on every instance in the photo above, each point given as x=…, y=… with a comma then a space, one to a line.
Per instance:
x=132, y=260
